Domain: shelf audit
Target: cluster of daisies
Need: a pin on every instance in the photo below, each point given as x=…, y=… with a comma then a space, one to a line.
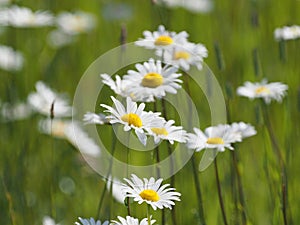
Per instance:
x=152, y=80
x=67, y=27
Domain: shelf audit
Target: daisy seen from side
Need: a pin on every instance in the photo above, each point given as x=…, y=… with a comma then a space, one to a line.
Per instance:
x=17, y=16
x=10, y=60
x=217, y=137
x=152, y=80
x=287, y=33
x=151, y=191
x=72, y=132
x=131, y=221
x=119, y=86
x=45, y=100
x=93, y=118
x=168, y=132
x=266, y=91
x=73, y=23
x=243, y=129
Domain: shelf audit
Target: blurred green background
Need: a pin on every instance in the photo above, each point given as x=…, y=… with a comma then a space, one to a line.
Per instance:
x=241, y=30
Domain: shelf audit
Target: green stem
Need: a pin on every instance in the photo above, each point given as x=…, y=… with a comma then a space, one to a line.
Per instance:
x=240, y=187
x=195, y=171
x=280, y=159
x=220, y=193
x=198, y=191
x=148, y=214
x=113, y=147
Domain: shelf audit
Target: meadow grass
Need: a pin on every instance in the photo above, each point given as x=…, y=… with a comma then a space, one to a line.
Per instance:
x=241, y=45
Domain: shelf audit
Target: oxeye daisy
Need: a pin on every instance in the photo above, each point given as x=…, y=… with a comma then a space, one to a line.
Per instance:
x=93, y=118
x=133, y=117
x=10, y=59
x=152, y=80
x=116, y=185
x=17, y=111
x=150, y=191
x=119, y=86
x=168, y=132
x=76, y=22
x=185, y=55
x=131, y=221
x=16, y=16
x=219, y=137
x=287, y=33
x=47, y=220
x=243, y=129
x=44, y=99
x=195, y=6
x=72, y=132
x=90, y=221
x=161, y=39
x=266, y=91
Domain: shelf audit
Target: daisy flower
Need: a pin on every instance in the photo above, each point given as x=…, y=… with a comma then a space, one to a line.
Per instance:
x=90, y=221
x=152, y=80
x=47, y=220
x=243, y=129
x=266, y=91
x=161, y=39
x=131, y=221
x=72, y=132
x=151, y=192
x=75, y=23
x=287, y=33
x=185, y=55
x=93, y=118
x=116, y=189
x=195, y=6
x=16, y=16
x=119, y=86
x=10, y=59
x=133, y=117
x=168, y=132
x=43, y=100
x=59, y=39
x=17, y=111
x=219, y=137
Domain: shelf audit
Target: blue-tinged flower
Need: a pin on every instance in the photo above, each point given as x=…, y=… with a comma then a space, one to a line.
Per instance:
x=90, y=221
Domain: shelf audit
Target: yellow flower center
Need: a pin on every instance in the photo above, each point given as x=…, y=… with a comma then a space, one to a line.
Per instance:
x=160, y=131
x=149, y=195
x=261, y=90
x=58, y=129
x=163, y=40
x=152, y=80
x=181, y=55
x=215, y=141
x=132, y=119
